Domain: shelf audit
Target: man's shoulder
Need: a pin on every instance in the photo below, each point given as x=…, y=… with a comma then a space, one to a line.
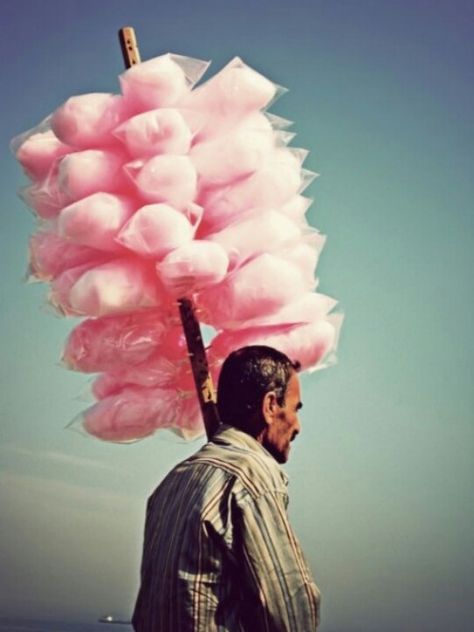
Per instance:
x=234, y=456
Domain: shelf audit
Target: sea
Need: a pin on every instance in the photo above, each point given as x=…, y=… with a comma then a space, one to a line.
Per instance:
x=36, y=625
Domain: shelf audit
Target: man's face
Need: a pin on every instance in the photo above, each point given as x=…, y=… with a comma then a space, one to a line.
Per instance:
x=285, y=424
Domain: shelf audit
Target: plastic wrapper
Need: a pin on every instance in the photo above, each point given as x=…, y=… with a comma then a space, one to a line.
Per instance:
x=260, y=287
x=90, y=171
x=193, y=266
x=156, y=372
x=44, y=197
x=243, y=239
x=36, y=152
x=304, y=255
x=134, y=413
x=156, y=229
x=165, y=178
x=118, y=286
x=86, y=120
x=51, y=255
x=307, y=343
x=232, y=156
x=122, y=342
x=229, y=97
x=161, y=131
x=296, y=208
x=96, y=220
x=160, y=82
x=310, y=307
x=271, y=186
x=60, y=293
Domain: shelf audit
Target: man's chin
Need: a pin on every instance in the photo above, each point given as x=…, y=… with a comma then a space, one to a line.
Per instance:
x=282, y=456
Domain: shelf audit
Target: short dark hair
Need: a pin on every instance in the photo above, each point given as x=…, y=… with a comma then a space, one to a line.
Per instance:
x=246, y=376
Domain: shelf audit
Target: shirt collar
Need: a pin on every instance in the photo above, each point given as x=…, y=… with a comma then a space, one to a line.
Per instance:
x=230, y=435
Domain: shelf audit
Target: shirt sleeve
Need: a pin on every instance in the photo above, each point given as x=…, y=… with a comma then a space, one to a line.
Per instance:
x=280, y=592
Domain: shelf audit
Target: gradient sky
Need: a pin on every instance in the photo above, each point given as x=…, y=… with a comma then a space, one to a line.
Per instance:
x=381, y=93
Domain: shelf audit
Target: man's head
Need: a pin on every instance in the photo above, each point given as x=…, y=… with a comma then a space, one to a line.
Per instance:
x=259, y=393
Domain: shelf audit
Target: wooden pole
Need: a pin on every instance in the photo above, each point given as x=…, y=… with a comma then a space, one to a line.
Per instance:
x=197, y=356
x=192, y=332
x=128, y=44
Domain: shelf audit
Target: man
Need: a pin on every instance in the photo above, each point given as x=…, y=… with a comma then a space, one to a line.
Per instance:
x=219, y=553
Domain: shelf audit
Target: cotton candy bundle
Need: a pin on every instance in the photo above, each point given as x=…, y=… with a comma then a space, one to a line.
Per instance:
x=162, y=131
x=308, y=342
x=38, y=151
x=192, y=266
x=137, y=412
x=51, y=255
x=86, y=120
x=116, y=342
x=163, y=191
x=156, y=372
x=95, y=220
x=156, y=229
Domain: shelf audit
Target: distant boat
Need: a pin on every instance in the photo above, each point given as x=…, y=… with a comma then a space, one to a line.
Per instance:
x=109, y=618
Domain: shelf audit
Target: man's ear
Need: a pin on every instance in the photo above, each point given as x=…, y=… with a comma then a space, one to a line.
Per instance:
x=269, y=404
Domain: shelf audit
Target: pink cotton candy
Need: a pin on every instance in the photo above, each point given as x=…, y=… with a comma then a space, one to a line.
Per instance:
x=165, y=178
x=133, y=414
x=304, y=255
x=96, y=220
x=296, y=207
x=37, y=153
x=310, y=307
x=86, y=120
x=45, y=196
x=234, y=155
x=239, y=87
x=121, y=342
x=283, y=138
x=44, y=203
x=50, y=255
x=156, y=83
x=59, y=296
x=91, y=171
x=156, y=229
x=256, y=232
x=169, y=192
x=307, y=343
x=261, y=286
x=278, y=122
x=121, y=285
x=229, y=96
x=156, y=372
x=192, y=266
x=162, y=131
x=271, y=186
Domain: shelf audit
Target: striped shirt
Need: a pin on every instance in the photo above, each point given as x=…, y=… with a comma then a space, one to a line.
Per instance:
x=219, y=553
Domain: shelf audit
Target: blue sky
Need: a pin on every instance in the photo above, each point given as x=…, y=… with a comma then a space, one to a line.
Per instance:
x=381, y=477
